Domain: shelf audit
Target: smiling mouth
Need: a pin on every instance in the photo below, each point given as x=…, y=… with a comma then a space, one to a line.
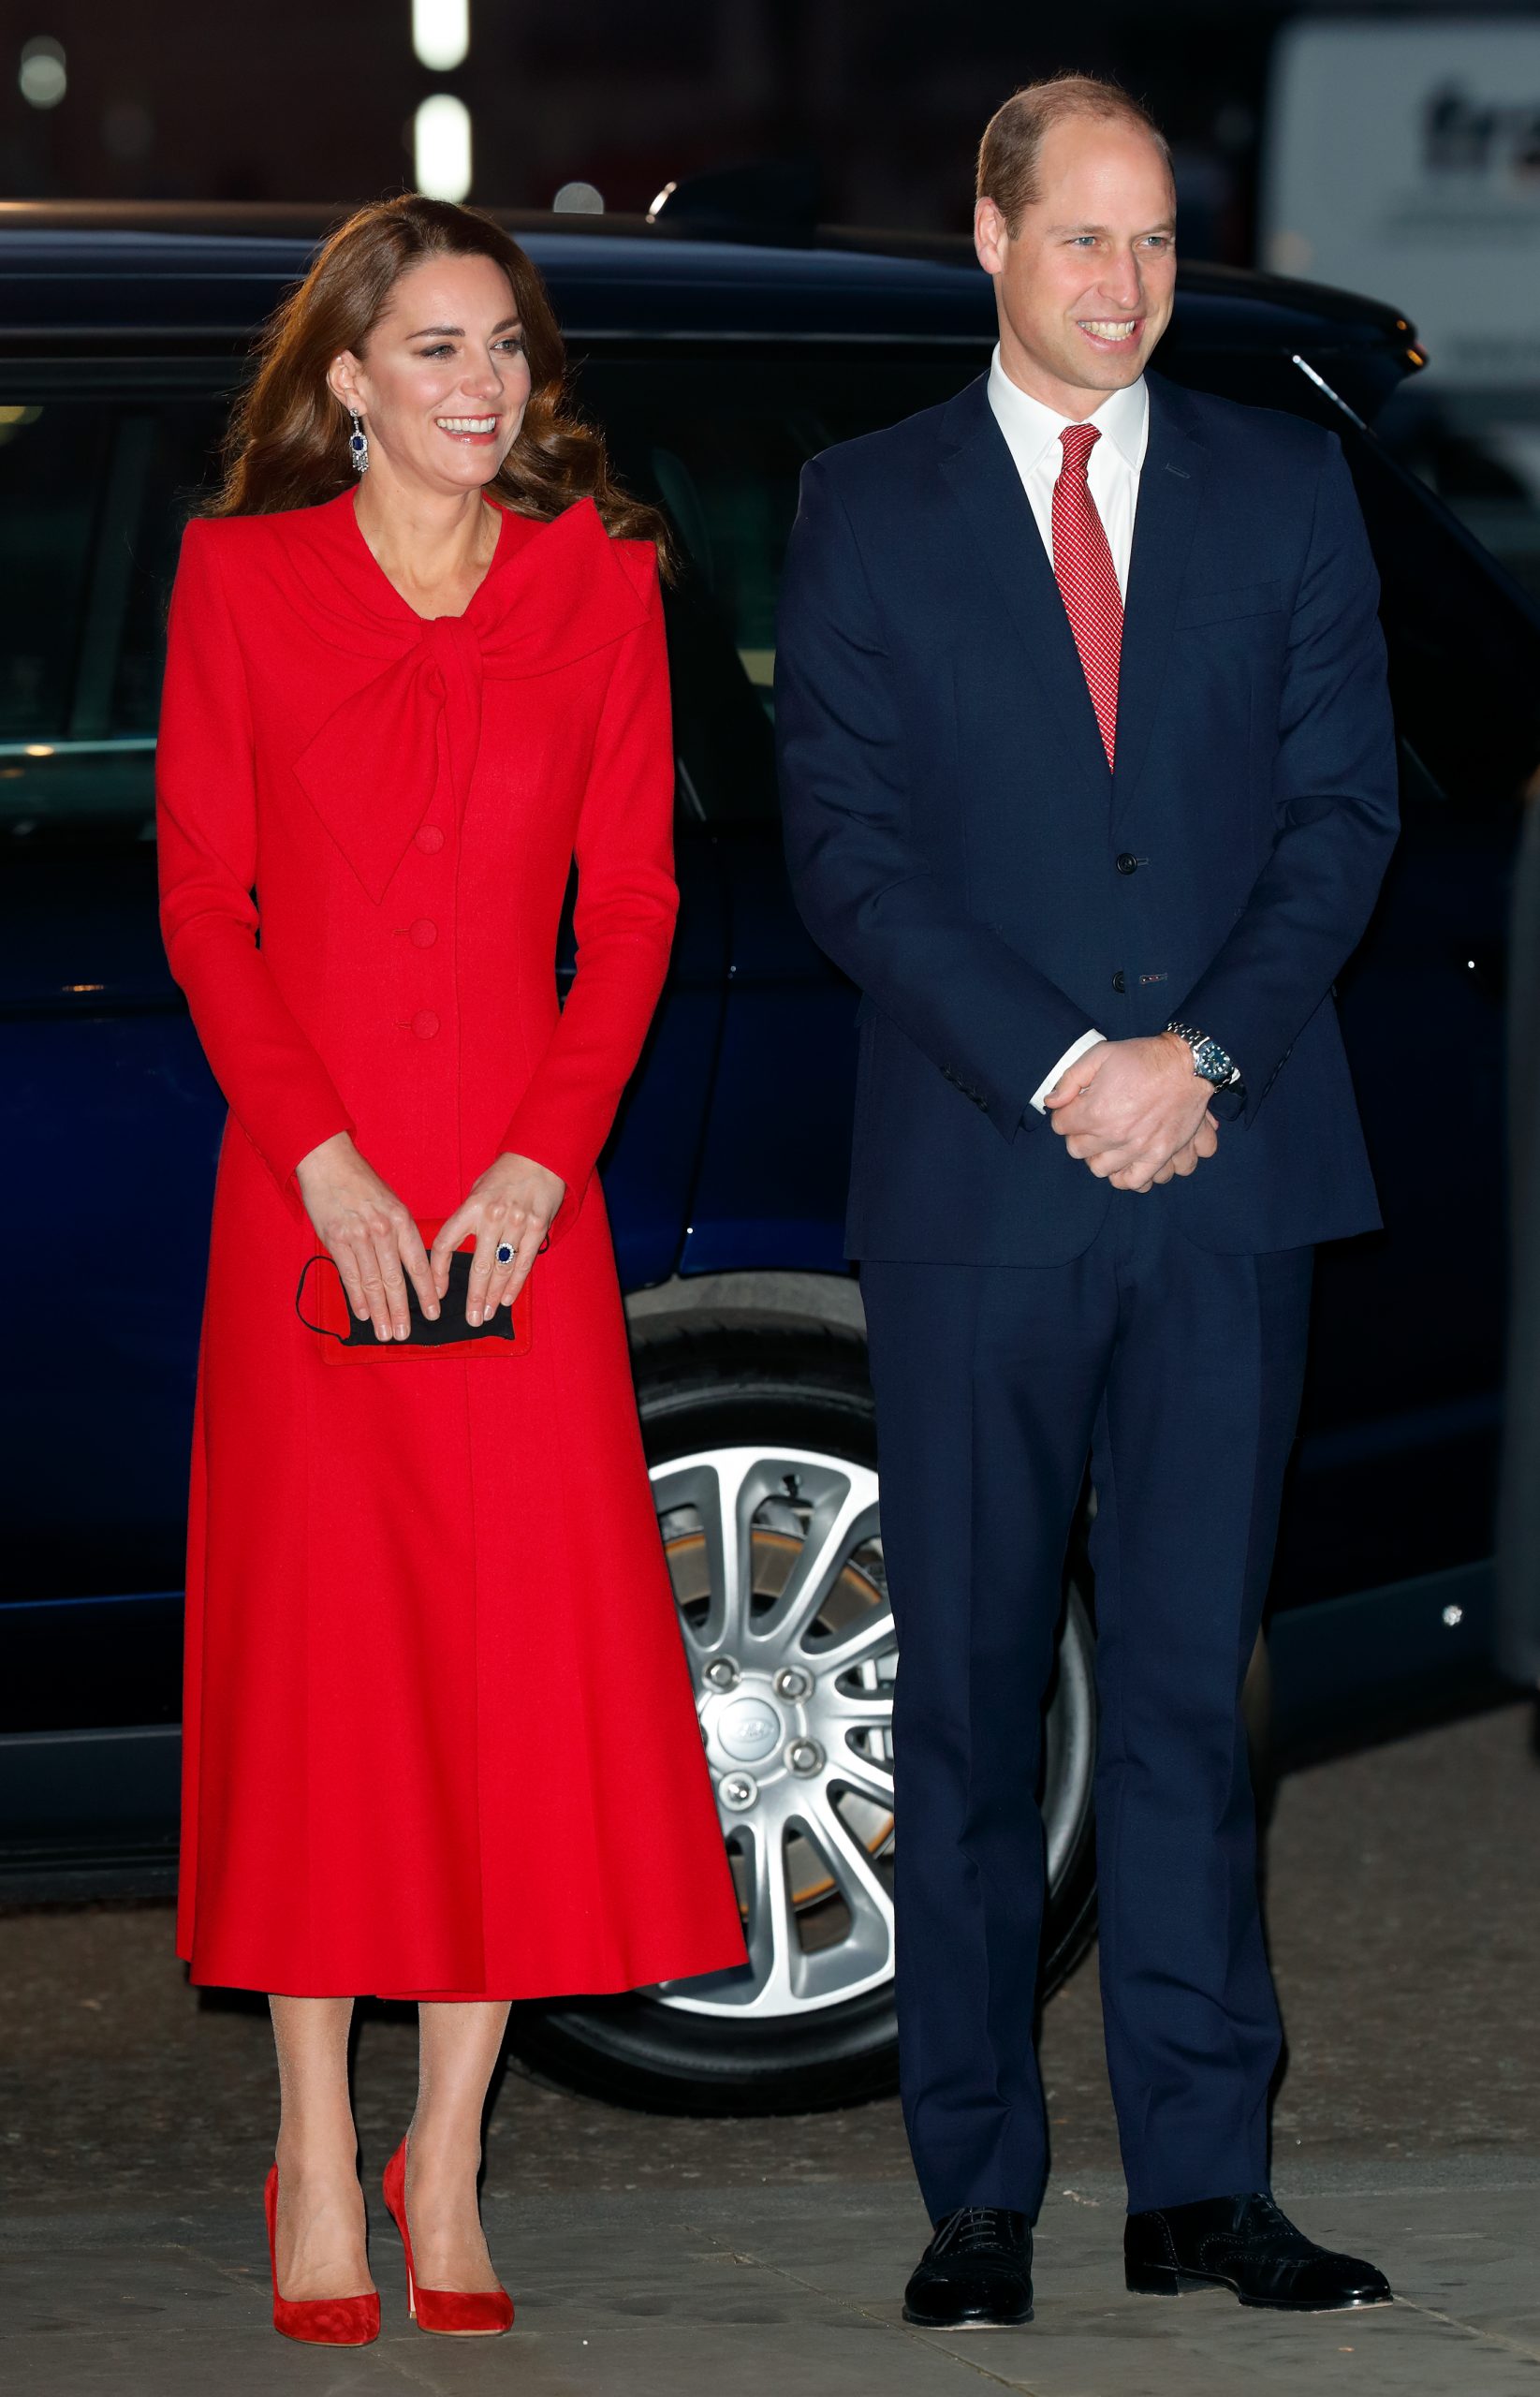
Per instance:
x=468, y=428
x=1111, y=331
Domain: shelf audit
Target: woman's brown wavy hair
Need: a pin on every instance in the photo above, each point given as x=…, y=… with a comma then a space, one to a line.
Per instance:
x=286, y=445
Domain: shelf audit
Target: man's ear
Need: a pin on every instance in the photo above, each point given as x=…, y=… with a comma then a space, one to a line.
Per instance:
x=989, y=236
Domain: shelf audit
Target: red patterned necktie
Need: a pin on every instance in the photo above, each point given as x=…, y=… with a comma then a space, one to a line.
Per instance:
x=1083, y=568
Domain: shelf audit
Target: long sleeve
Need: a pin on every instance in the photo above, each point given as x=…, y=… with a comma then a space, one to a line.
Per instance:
x=975, y=1006
x=627, y=901
x=276, y=1086
x=1335, y=790
x=1056, y=1072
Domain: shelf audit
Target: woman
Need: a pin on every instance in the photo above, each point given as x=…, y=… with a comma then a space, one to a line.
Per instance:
x=439, y=1731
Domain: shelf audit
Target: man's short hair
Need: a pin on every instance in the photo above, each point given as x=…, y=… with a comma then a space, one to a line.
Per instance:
x=1007, y=155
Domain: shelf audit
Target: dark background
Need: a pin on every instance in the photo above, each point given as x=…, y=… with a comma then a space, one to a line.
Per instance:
x=313, y=99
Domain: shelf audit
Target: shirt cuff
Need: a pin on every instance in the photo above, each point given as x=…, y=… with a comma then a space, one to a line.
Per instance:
x=1087, y=1040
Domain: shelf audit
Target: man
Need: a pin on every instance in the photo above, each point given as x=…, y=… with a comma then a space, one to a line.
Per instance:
x=1090, y=785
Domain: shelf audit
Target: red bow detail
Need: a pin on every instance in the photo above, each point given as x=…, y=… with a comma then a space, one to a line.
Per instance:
x=372, y=770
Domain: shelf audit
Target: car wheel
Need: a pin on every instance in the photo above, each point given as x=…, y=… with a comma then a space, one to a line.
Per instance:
x=762, y=1448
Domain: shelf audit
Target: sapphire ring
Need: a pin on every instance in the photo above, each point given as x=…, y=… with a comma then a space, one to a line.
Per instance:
x=504, y=1251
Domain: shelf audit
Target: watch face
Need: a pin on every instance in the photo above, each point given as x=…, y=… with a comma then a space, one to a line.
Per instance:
x=1212, y=1063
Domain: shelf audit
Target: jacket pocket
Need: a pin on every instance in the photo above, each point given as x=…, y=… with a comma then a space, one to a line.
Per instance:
x=1239, y=599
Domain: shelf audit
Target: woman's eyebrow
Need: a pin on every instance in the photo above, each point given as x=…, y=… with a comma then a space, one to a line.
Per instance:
x=509, y=324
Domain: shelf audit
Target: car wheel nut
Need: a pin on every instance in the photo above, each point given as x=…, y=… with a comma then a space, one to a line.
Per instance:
x=791, y=1682
x=804, y=1756
x=721, y=1673
x=738, y=1791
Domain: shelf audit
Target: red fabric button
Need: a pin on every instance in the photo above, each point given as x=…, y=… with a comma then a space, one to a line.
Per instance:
x=425, y=932
x=429, y=837
x=425, y=1024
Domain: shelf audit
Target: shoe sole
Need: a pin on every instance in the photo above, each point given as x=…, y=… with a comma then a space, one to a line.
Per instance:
x=301, y=2341
x=432, y=2332
x=1161, y=2281
x=994, y=2322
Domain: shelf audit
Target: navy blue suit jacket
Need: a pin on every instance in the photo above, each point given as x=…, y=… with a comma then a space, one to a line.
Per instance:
x=959, y=846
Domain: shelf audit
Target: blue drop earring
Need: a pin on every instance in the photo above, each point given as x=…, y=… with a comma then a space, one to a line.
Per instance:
x=357, y=442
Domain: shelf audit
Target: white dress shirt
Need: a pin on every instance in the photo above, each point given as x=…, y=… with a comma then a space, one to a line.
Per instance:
x=1031, y=432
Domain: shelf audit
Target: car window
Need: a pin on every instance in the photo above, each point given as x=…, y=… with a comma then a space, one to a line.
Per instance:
x=719, y=442
x=1464, y=648
x=93, y=495
x=718, y=439
x=1480, y=452
x=50, y=473
x=94, y=491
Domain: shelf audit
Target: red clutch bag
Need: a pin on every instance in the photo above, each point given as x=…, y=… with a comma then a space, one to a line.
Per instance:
x=341, y=1338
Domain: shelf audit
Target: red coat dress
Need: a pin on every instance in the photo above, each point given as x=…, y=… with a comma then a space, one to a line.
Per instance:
x=440, y=1738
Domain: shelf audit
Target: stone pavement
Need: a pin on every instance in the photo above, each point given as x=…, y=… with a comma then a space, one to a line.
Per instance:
x=783, y=2293
x=767, y=2258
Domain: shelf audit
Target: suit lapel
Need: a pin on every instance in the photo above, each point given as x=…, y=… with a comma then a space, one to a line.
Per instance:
x=1165, y=519
x=1002, y=532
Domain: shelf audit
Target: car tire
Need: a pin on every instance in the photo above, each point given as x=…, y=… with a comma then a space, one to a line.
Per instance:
x=792, y=1406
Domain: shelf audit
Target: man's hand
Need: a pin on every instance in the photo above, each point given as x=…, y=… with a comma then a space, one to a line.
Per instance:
x=1135, y=1112
x=1203, y=1143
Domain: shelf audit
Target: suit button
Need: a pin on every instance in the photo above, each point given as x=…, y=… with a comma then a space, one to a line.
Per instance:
x=1120, y=981
x=424, y=931
x=425, y=1024
x=429, y=838
x=1127, y=864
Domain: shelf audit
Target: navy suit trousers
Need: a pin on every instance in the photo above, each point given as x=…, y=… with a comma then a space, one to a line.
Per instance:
x=1179, y=1371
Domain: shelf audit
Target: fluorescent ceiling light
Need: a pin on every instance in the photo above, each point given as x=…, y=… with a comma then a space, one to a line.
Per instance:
x=41, y=75
x=441, y=132
x=441, y=32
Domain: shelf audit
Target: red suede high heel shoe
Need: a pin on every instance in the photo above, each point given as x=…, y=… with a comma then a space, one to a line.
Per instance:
x=459, y=2313
x=319, y=2321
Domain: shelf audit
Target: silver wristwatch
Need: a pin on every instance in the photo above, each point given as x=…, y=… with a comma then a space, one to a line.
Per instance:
x=1209, y=1061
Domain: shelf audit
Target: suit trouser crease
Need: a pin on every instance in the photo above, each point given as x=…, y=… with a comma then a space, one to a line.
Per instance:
x=1180, y=1371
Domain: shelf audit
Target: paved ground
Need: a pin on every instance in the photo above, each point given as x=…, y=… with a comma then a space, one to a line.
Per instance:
x=680, y=2257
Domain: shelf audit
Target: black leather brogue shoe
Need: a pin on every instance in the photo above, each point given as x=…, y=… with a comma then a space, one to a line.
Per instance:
x=1245, y=2245
x=975, y=2274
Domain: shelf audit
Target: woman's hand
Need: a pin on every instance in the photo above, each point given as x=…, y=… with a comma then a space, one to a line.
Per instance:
x=370, y=1234
x=513, y=1203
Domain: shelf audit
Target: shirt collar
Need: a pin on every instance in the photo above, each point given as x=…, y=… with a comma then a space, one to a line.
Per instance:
x=1031, y=427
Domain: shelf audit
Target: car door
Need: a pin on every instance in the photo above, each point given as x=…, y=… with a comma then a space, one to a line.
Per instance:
x=107, y=1110
x=1398, y=1458
x=108, y=1117
x=1393, y=1484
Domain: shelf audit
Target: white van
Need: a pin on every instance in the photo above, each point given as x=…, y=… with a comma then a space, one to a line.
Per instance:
x=1402, y=158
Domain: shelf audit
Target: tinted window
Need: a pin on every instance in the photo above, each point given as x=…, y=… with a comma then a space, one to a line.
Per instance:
x=93, y=494
x=718, y=439
x=52, y=463
x=1480, y=452
x=1464, y=651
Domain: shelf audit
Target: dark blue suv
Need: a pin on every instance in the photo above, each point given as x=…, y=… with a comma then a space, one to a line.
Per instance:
x=716, y=368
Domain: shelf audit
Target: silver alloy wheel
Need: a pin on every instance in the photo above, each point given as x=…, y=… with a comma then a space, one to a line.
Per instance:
x=776, y=1556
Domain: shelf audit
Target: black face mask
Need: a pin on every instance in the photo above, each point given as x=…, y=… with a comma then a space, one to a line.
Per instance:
x=449, y=1328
